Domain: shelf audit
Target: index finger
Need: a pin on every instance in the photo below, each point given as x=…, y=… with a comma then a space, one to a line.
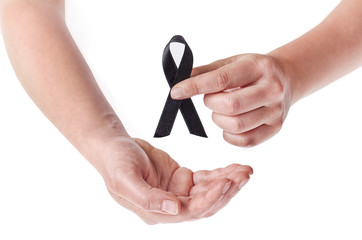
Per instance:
x=236, y=74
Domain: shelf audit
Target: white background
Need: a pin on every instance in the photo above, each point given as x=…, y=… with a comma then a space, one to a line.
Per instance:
x=307, y=181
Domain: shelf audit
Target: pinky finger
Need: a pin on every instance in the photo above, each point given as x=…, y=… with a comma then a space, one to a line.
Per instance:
x=252, y=137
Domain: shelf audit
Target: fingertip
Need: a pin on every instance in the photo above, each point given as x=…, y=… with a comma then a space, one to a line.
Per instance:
x=236, y=167
x=177, y=93
x=251, y=170
x=248, y=169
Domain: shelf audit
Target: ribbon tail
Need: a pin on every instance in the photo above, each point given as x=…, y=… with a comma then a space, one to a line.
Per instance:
x=191, y=118
x=168, y=117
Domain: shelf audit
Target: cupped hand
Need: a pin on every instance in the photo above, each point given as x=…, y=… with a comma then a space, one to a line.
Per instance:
x=150, y=183
x=249, y=95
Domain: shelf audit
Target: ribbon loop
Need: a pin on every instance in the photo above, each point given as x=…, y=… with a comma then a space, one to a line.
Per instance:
x=175, y=75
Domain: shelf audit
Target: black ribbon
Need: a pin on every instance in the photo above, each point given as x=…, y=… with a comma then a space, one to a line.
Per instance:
x=175, y=75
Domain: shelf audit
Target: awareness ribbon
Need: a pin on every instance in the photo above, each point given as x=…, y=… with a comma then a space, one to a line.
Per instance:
x=175, y=75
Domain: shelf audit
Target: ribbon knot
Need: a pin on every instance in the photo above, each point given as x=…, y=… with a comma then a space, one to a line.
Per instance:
x=175, y=75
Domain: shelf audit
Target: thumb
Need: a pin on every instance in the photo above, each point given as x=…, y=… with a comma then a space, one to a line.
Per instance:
x=137, y=191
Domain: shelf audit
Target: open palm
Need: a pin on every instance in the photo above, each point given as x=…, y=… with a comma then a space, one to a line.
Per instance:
x=150, y=183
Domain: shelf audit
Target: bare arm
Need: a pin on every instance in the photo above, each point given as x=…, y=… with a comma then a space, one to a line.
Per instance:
x=54, y=73
x=265, y=86
x=138, y=176
x=326, y=53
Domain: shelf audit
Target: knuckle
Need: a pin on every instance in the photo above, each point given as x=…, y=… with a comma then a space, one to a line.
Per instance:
x=256, y=61
x=246, y=142
x=240, y=140
x=232, y=105
x=275, y=87
x=266, y=64
x=278, y=88
x=238, y=125
x=195, y=87
x=222, y=79
x=278, y=125
x=277, y=111
x=145, y=204
x=275, y=90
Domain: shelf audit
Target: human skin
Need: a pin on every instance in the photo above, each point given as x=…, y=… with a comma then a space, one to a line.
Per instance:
x=138, y=176
x=250, y=94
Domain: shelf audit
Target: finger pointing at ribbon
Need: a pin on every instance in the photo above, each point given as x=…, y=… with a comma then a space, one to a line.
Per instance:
x=235, y=74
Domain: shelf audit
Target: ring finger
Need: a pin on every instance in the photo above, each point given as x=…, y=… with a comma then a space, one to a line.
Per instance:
x=246, y=121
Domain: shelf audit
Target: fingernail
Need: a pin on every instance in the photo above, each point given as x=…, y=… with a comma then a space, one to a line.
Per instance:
x=177, y=93
x=170, y=207
x=242, y=184
x=226, y=187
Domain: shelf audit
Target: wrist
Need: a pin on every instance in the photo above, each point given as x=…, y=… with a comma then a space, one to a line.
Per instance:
x=289, y=72
x=94, y=142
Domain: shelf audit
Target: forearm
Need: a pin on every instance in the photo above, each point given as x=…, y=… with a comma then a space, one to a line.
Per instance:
x=53, y=72
x=326, y=53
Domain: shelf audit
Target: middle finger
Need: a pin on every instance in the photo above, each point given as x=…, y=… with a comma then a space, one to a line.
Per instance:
x=238, y=101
